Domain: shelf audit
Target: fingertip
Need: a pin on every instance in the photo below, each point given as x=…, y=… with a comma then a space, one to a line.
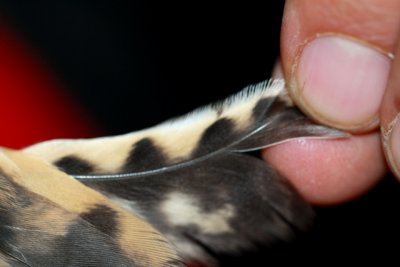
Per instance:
x=327, y=172
x=335, y=58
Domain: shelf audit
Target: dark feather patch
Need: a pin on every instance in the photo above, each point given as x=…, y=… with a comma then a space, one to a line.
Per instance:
x=144, y=155
x=74, y=164
x=217, y=135
x=261, y=108
x=103, y=218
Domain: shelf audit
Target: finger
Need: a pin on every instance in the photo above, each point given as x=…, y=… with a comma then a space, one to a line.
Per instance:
x=390, y=117
x=335, y=58
x=330, y=171
x=323, y=90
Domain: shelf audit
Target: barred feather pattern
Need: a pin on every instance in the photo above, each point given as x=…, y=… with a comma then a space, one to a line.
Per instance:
x=182, y=190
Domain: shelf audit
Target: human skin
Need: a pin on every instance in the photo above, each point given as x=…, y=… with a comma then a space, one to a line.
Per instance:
x=337, y=57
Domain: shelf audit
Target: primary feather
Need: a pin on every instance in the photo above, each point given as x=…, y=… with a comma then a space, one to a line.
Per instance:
x=190, y=179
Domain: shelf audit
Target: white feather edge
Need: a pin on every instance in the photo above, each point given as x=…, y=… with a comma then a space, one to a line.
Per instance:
x=233, y=106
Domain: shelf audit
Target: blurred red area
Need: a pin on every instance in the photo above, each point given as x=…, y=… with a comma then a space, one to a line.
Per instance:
x=34, y=106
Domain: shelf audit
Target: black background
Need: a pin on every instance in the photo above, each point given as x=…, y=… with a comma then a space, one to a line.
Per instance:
x=133, y=64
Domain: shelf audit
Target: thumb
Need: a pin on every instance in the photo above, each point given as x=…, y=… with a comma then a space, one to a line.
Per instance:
x=335, y=58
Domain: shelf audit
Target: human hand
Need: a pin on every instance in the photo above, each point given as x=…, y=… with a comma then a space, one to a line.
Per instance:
x=336, y=59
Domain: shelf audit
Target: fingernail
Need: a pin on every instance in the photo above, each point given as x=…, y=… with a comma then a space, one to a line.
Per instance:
x=341, y=82
x=393, y=146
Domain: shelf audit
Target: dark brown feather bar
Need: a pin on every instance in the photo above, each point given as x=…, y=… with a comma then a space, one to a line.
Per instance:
x=180, y=191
